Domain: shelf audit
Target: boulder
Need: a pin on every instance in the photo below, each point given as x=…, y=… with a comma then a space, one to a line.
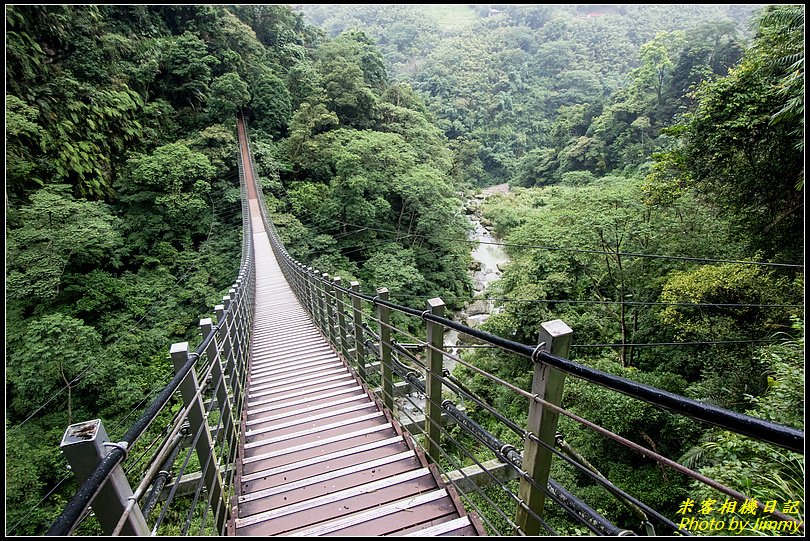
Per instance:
x=466, y=339
x=475, y=321
x=478, y=307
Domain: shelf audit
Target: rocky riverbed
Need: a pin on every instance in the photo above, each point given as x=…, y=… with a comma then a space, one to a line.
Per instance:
x=488, y=262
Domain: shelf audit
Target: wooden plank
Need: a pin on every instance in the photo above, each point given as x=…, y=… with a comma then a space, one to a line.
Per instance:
x=308, y=399
x=318, y=447
x=444, y=528
x=312, y=421
x=334, y=505
x=309, y=488
x=393, y=514
x=359, y=453
x=292, y=413
x=320, y=431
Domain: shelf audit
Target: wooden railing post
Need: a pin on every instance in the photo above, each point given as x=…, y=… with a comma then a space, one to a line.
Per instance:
x=197, y=420
x=302, y=283
x=303, y=292
x=300, y=272
x=433, y=381
x=321, y=300
x=231, y=368
x=341, y=318
x=547, y=383
x=328, y=294
x=357, y=315
x=243, y=332
x=243, y=326
x=313, y=297
x=312, y=301
x=238, y=334
x=387, y=372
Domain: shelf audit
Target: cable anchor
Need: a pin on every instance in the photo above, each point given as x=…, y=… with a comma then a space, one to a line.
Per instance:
x=537, y=351
x=122, y=445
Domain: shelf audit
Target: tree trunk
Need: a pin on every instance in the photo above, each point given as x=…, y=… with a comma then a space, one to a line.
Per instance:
x=70, y=395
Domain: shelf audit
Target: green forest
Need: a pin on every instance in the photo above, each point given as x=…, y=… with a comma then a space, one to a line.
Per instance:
x=655, y=160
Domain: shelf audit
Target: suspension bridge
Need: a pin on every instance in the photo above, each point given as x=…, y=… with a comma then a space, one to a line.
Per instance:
x=303, y=412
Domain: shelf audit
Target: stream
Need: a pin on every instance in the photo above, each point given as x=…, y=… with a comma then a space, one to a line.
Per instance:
x=487, y=258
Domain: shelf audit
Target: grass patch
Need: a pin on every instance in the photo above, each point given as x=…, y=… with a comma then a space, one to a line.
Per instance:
x=450, y=17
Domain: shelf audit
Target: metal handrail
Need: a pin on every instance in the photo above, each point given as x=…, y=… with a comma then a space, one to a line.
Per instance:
x=74, y=511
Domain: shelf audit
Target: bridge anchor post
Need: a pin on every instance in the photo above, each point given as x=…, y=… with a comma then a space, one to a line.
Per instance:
x=547, y=383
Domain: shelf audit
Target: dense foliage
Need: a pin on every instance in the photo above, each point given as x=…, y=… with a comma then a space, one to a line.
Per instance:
x=123, y=213
x=742, y=147
x=644, y=130
x=528, y=93
x=661, y=130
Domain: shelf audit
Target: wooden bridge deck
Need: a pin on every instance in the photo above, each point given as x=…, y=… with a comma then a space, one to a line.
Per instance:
x=319, y=455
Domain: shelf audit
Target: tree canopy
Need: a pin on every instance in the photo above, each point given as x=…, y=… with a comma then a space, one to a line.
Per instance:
x=654, y=154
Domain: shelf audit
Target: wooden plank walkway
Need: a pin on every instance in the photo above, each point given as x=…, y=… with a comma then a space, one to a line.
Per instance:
x=319, y=456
